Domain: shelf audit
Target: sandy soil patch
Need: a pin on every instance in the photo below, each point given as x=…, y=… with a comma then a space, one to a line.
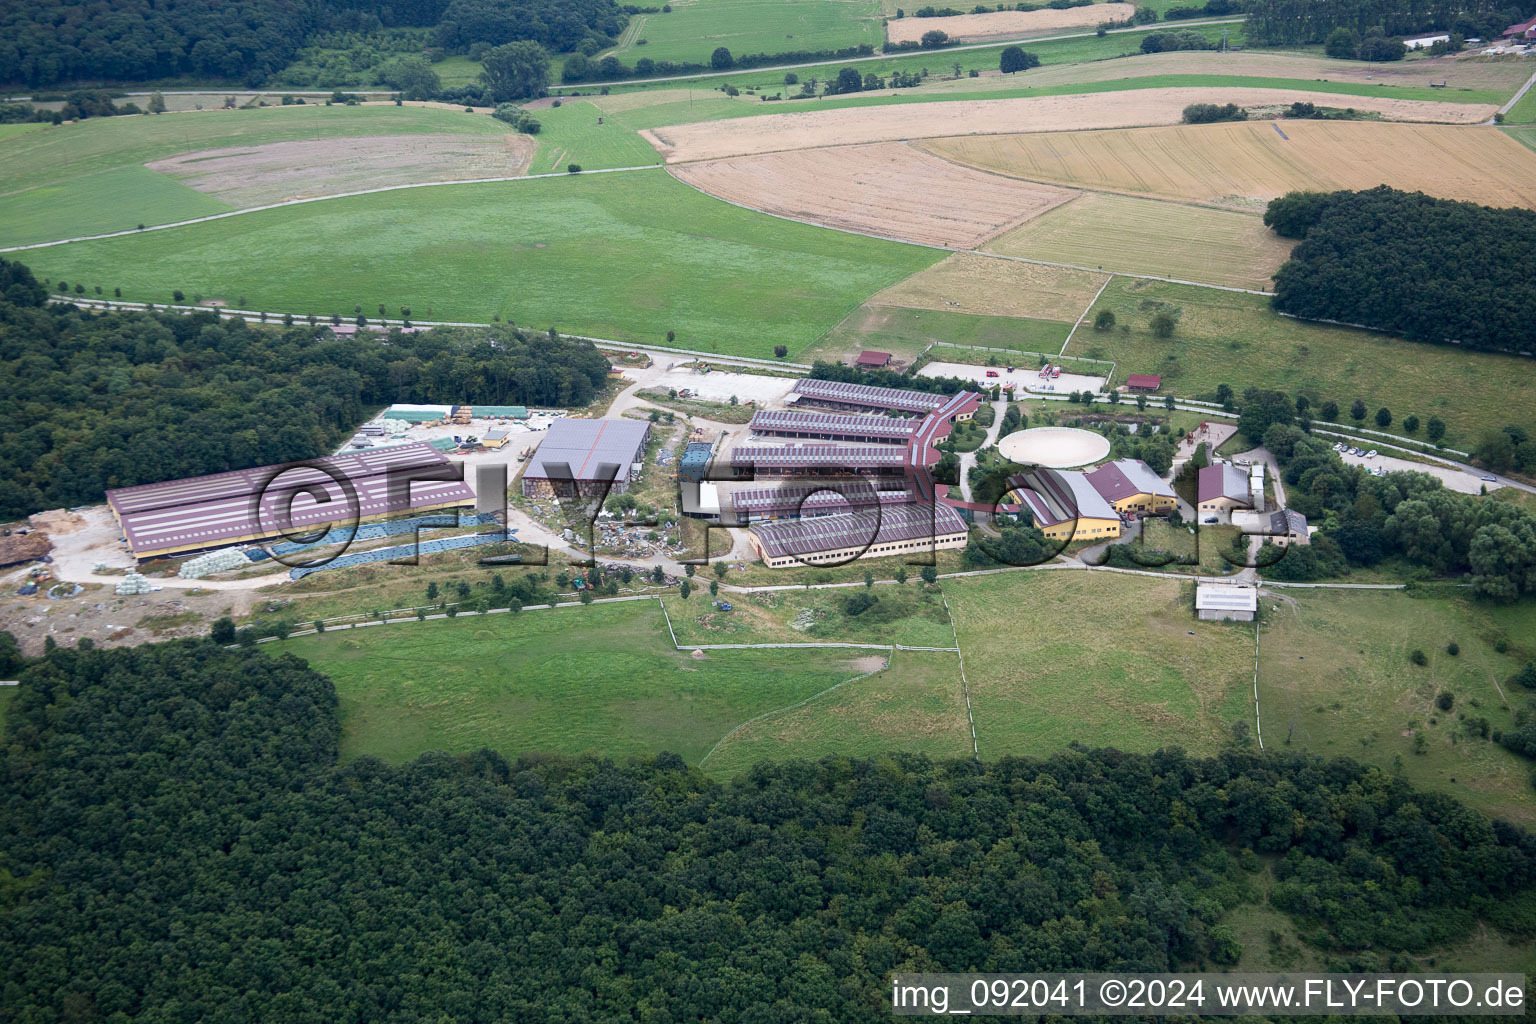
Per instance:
x=712, y=140
x=1005, y=24
x=887, y=190
x=1248, y=163
x=272, y=173
x=1149, y=236
x=980, y=285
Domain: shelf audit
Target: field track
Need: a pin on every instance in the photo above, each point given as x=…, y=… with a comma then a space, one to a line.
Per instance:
x=887, y=189
x=771, y=133
x=1006, y=24
x=1248, y=163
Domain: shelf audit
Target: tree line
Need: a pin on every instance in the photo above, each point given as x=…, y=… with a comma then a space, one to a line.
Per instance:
x=182, y=841
x=1292, y=22
x=50, y=41
x=100, y=400
x=1367, y=518
x=1429, y=269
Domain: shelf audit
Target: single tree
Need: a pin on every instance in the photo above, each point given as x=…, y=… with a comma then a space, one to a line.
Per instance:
x=156, y=102
x=1411, y=423
x=1163, y=324
x=1329, y=411
x=1016, y=58
x=223, y=631
x=1104, y=321
x=684, y=589
x=930, y=574
x=1357, y=410
x=517, y=70
x=721, y=59
x=1434, y=429
x=901, y=574
x=1383, y=417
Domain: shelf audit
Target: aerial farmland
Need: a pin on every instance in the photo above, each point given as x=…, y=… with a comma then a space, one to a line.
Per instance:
x=527, y=504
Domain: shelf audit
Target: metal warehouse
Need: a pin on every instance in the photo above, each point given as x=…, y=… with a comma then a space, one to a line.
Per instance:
x=836, y=394
x=871, y=429
x=814, y=499
x=249, y=505
x=817, y=459
x=889, y=531
x=586, y=454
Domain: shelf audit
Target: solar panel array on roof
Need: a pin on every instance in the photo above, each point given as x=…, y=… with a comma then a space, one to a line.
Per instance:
x=872, y=398
x=887, y=525
x=585, y=445
x=249, y=504
x=817, y=456
x=848, y=427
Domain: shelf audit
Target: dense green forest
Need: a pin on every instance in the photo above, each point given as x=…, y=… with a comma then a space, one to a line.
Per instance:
x=1429, y=269
x=99, y=400
x=181, y=844
x=1366, y=518
x=49, y=41
x=1289, y=22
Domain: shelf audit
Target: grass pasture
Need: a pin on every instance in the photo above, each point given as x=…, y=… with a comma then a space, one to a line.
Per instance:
x=602, y=678
x=65, y=168
x=905, y=333
x=1335, y=679
x=694, y=28
x=570, y=134
x=1233, y=338
x=626, y=256
x=914, y=704
x=115, y=200
x=910, y=614
x=1248, y=163
x=1145, y=236
x=1107, y=659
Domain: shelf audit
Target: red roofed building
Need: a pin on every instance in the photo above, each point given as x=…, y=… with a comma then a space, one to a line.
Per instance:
x=1524, y=30
x=872, y=360
x=1144, y=382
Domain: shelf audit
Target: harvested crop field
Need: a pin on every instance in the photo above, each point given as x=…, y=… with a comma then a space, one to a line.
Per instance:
x=1148, y=236
x=984, y=286
x=712, y=140
x=1006, y=24
x=1249, y=163
x=278, y=171
x=887, y=190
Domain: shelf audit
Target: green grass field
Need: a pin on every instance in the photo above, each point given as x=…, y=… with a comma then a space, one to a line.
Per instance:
x=10, y=131
x=1236, y=339
x=1335, y=679
x=71, y=161
x=570, y=134
x=1106, y=659
x=908, y=614
x=1523, y=112
x=627, y=256
x=693, y=28
x=571, y=680
x=906, y=332
x=1083, y=46
x=116, y=200
x=1526, y=135
x=915, y=704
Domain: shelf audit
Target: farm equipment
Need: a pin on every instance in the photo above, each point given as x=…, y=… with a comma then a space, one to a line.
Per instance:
x=724, y=606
